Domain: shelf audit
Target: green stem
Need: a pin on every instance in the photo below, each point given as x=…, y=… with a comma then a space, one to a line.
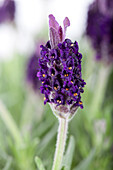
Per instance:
x=60, y=146
x=100, y=89
x=10, y=124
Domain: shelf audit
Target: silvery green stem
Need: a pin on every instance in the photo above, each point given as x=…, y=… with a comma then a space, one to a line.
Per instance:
x=60, y=145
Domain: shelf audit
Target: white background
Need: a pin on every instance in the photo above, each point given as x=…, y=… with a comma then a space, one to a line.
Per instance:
x=32, y=18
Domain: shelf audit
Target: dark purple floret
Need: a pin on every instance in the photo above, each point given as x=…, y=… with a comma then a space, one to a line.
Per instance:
x=60, y=74
x=100, y=31
x=7, y=11
x=32, y=69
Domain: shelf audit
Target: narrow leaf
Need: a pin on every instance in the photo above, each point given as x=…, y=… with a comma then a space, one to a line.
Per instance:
x=39, y=163
x=84, y=165
x=8, y=163
x=9, y=122
x=68, y=157
x=47, y=138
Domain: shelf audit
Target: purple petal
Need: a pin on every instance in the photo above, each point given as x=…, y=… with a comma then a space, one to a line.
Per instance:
x=54, y=37
x=60, y=33
x=56, y=31
x=38, y=74
x=53, y=23
x=53, y=28
x=66, y=23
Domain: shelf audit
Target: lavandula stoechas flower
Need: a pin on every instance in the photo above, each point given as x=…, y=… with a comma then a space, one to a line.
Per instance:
x=32, y=69
x=60, y=71
x=7, y=11
x=100, y=29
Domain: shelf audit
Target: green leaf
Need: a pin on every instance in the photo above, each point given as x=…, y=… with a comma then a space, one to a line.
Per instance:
x=84, y=165
x=11, y=125
x=39, y=163
x=68, y=157
x=44, y=126
x=8, y=163
x=46, y=139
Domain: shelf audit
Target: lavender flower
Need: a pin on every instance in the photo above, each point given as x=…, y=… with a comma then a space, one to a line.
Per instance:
x=32, y=68
x=100, y=30
x=7, y=11
x=60, y=71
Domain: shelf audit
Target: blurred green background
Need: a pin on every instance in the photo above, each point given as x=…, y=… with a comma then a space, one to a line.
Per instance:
x=27, y=127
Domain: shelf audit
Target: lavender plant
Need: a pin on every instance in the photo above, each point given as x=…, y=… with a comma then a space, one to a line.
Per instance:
x=100, y=32
x=62, y=83
x=100, y=29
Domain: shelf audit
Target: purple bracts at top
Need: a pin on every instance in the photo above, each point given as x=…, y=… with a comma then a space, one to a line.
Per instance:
x=7, y=11
x=100, y=30
x=60, y=68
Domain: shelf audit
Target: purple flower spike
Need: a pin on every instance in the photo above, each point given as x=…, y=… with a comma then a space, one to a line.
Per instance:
x=33, y=68
x=60, y=71
x=66, y=23
x=100, y=29
x=7, y=11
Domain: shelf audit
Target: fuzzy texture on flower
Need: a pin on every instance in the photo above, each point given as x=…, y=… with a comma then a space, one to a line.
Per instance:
x=60, y=70
x=7, y=11
x=100, y=31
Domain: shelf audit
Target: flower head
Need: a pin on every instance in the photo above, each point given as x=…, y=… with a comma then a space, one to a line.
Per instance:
x=100, y=30
x=7, y=11
x=60, y=71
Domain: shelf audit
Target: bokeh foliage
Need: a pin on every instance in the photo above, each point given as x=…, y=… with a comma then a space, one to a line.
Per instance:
x=88, y=147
